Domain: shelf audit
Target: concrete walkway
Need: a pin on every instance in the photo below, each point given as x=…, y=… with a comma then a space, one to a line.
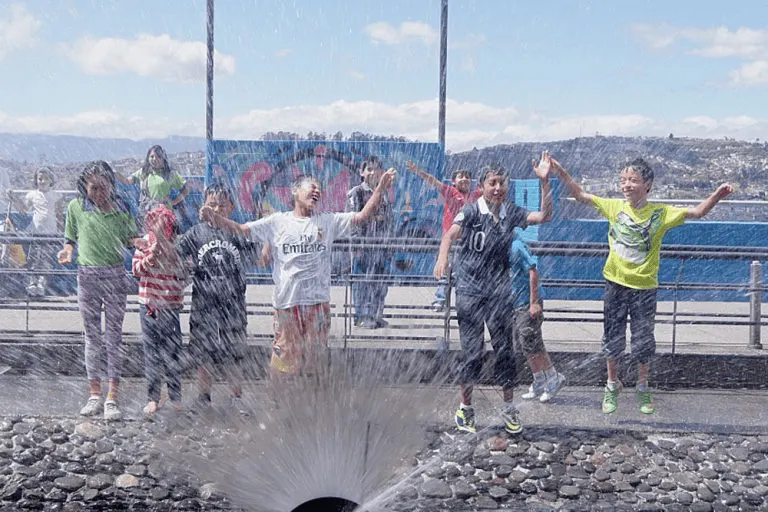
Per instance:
x=707, y=410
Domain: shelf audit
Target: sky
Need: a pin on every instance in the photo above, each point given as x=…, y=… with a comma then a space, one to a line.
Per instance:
x=518, y=71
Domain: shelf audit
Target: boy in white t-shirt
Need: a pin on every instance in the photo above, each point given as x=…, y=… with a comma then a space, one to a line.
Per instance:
x=300, y=242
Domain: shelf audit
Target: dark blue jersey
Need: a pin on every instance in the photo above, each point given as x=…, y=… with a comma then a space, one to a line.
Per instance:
x=482, y=260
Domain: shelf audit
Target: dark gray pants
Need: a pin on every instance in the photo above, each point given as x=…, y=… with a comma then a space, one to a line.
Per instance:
x=161, y=336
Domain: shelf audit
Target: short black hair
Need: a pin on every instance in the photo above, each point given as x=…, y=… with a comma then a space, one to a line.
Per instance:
x=218, y=189
x=495, y=169
x=458, y=172
x=95, y=168
x=642, y=167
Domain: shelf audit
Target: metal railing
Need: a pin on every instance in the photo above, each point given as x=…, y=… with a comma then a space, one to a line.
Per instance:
x=752, y=286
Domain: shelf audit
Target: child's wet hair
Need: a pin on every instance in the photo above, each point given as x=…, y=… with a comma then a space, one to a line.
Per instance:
x=92, y=169
x=43, y=170
x=301, y=181
x=460, y=172
x=641, y=167
x=494, y=169
x=218, y=189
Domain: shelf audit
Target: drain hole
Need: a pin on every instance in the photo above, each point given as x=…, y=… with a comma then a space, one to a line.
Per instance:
x=327, y=504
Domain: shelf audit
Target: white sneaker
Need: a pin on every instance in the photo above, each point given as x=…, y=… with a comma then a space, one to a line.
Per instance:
x=111, y=411
x=534, y=390
x=92, y=407
x=552, y=387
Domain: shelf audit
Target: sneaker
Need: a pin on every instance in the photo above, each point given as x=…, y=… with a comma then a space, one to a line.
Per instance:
x=369, y=324
x=111, y=411
x=438, y=306
x=239, y=405
x=645, y=401
x=611, y=399
x=534, y=390
x=381, y=323
x=33, y=290
x=92, y=407
x=552, y=387
x=509, y=414
x=465, y=419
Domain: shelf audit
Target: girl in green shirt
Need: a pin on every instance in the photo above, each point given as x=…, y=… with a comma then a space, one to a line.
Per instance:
x=100, y=225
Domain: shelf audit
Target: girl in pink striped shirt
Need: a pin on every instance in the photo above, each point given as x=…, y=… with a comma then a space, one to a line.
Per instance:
x=162, y=279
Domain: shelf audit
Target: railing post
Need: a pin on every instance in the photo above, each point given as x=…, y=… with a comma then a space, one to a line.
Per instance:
x=755, y=303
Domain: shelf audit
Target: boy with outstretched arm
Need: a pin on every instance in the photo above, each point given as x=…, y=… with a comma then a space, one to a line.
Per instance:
x=631, y=272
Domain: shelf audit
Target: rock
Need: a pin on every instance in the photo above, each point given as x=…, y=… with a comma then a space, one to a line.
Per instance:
x=126, y=481
x=69, y=483
x=485, y=503
x=436, y=489
x=462, y=490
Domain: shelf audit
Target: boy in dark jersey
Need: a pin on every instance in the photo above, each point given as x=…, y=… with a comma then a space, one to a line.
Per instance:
x=486, y=231
x=217, y=320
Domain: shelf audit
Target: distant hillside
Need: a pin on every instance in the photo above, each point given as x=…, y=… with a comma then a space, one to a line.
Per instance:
x=60, y=149
x=684, y=167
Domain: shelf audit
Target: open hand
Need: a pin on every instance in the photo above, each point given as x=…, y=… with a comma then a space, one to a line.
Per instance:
x=388, y=178
x=441, y=268
x=543, y=167
x=65, y=255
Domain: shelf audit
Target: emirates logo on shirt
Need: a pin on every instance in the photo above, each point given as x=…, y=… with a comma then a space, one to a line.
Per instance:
x=307, y=245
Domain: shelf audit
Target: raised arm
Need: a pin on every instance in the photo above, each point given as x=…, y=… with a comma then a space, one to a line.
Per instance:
x=207, y=214
x=441, y=267
x=542, y=170
x=431, y=180
x=706, y=205
x=576, y=190
x=370, y=207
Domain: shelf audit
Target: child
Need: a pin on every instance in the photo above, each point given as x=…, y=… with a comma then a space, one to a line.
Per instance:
x=217, y=320
x=100, y=225
x=162, y=281
x=455, y=196
x=46, y=206
x=156, y=182
x=301, y=242
x=631, y=272
x=370, y=293
x=486, y=229
x=528, y=316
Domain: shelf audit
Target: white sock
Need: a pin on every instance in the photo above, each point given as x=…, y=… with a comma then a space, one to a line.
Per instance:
x=642, y=387
x=539, y=377
x=551, y=373
x=612, y=385
x=464, y=406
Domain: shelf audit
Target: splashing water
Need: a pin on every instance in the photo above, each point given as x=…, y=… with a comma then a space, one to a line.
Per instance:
x=329, y=441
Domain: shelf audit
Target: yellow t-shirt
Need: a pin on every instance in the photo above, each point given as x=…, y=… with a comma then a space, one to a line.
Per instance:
x=634, y=237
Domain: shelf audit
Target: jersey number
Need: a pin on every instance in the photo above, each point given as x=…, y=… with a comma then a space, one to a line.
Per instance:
x=478, y=241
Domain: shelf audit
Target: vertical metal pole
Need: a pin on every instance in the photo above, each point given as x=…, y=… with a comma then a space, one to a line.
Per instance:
x=755, y=303
x=209, y=77
x=443, y=76
x=674, y=305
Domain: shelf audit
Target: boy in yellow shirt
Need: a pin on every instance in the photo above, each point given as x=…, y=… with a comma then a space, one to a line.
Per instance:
x=636, y=228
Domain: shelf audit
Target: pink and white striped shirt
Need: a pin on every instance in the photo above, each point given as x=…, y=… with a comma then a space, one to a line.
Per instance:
x=161, y=286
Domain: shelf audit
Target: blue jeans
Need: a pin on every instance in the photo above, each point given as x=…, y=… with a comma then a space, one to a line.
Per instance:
x=369, y=294
x=161, y=336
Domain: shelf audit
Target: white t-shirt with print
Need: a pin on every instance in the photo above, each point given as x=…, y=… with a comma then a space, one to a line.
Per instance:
x=301, y=254
x=43, y=206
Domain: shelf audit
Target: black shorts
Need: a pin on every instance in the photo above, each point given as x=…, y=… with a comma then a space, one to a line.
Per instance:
x=213, y=341
x=620, y=302
x=474, y=313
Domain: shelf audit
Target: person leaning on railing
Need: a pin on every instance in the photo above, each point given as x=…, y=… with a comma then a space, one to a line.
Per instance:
x=47, y=207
